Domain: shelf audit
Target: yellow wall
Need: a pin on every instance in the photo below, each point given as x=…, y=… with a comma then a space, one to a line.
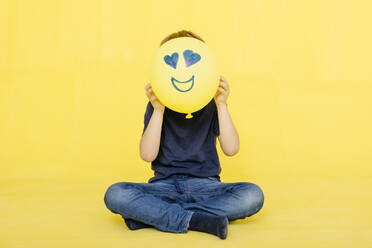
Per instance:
x=72, y=75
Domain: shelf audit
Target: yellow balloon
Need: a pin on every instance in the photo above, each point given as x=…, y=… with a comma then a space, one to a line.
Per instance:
x=184, y=75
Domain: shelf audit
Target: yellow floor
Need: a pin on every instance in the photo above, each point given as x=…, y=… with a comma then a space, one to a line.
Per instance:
x=72, y=105
x=297, y=213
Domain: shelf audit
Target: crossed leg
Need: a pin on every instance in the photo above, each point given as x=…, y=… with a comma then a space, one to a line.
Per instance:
x=234, y=200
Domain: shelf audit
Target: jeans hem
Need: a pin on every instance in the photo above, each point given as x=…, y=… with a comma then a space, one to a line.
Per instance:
x=186, y=221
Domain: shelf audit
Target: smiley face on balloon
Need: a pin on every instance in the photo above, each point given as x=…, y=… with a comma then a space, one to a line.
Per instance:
x=190, y=59
x=184, y=75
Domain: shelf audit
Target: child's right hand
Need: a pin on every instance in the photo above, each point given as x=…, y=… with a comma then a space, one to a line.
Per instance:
x=156, y=104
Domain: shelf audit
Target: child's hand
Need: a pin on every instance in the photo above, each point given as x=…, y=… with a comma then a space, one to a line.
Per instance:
x=153, y=99
x=222, y=92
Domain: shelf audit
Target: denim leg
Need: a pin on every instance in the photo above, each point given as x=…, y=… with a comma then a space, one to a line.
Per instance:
x=234, y=200
x=143, y=202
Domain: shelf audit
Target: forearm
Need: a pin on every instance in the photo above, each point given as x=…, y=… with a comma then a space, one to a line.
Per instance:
x=150, y=141
x=228, y=138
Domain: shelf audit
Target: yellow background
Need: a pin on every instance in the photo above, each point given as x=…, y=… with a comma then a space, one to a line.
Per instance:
x=72, y=100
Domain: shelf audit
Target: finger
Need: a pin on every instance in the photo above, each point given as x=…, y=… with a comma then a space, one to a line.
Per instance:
x=153, y=93
x=222, y=90
x=147, y=86
x=149, y=90
x=224, y=85
x=223, y=78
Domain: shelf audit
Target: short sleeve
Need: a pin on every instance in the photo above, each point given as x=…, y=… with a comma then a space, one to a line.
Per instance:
x=148, y=114
x=216, y=127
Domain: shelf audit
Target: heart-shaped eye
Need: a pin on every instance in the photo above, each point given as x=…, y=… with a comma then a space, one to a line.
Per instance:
x=171, y=60
x=190, y=57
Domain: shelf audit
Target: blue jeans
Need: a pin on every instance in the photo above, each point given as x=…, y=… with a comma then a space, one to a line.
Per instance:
x=168, y=204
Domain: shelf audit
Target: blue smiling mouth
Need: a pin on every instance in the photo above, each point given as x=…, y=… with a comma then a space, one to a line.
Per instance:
x=190, y=81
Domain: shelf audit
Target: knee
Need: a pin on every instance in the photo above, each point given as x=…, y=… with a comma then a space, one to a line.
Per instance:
x=116, y=194
x=252, y=197
x=257, y=196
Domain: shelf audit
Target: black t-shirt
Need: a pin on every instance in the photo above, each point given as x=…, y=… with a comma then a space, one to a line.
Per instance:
x=187, y=146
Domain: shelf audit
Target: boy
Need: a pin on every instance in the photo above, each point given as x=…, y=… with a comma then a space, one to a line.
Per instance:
x=186, y=191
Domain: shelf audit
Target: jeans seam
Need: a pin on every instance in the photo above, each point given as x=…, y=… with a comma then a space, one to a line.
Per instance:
x=201, y=193
x=184, y=223
x=187, y=220
x=159, y=192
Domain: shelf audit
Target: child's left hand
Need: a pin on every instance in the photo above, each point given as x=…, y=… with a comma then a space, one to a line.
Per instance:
x=222, y=92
